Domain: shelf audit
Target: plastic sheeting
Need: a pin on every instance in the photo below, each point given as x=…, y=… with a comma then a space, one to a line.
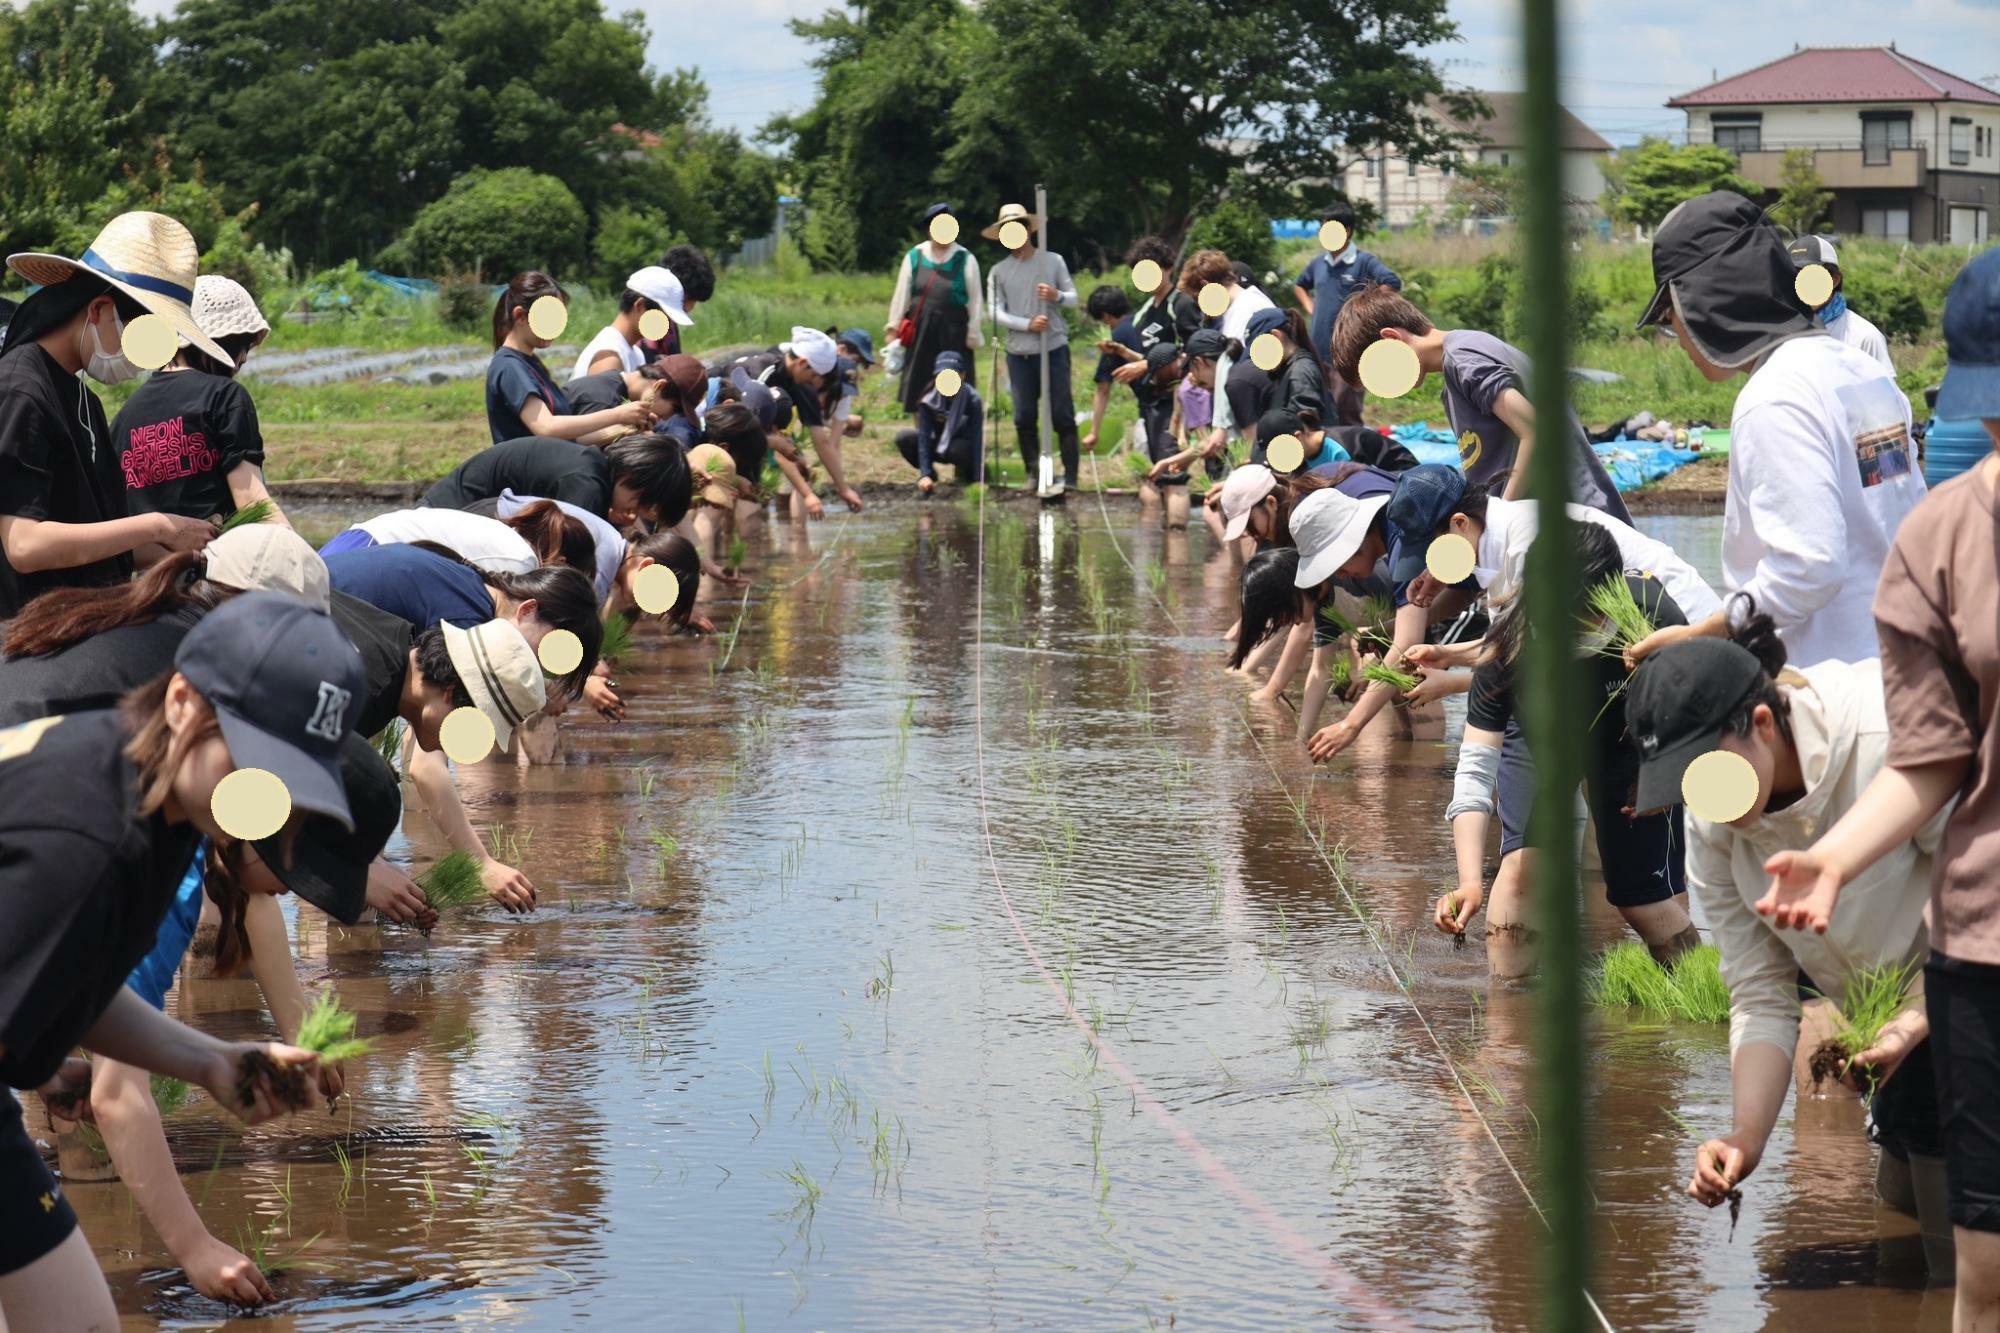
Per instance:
x=1631, y=463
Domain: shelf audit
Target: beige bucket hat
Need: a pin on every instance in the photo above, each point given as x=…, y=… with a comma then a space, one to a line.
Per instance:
x=222, y=307
x=148, y=256
x=1012, y=213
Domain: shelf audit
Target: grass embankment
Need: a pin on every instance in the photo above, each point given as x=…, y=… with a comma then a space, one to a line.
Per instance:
x=371, y=431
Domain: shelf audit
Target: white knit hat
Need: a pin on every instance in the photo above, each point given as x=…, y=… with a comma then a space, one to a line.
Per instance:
x=222, y=307
x=148, y=256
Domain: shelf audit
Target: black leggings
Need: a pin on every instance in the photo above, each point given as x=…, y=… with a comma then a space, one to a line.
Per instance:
x=34, y=1215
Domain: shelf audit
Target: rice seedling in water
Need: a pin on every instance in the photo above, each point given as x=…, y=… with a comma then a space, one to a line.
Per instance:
x=666, y=845
x=1691, y=990
x=1872, y=997
x=738, y=550
x=257, y=511
x=1378, y=613
x=884, y=979
x=388, y=742
x=1402, y=680
x=1341, y=676
x=617, y=637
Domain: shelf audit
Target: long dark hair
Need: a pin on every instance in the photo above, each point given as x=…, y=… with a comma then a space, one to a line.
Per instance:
x=236, y=344
x=678, y=554
x=1271, y=599
x=559, y=538
x=523, y=290
x=564, y=599
x=64, y=616
x=1755, y=632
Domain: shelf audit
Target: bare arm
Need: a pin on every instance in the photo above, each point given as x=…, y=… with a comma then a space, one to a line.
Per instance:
x=1305, y=297
x=246, y=487
x=133, y=1031
x=1298, y=643
x=36, y=544
x=1411, y=622
x=432, y=777
x=1514, y=409
x=1759, y=1077
x=1100, y=401
x=539, y=420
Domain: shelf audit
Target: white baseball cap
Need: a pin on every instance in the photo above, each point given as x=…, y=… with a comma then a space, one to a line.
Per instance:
x=1246, y=488
x=1810, y=249
x=818, y=350
x=1329, y=528
x=268, y=557
x=663, y=289
x=500, y=671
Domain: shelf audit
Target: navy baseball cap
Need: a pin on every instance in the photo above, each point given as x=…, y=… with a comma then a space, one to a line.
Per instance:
x=1972, y=342
x=1161, y=355
x=949, y=361
x=329, y=866
x=1264, y=321
x=1676, y=706
x=859, y=340
x=1207, y=344
x=1424, y=497
x=283, y=681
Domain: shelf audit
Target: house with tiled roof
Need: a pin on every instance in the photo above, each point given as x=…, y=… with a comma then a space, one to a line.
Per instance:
x=1403, y=191
x=1909, y=151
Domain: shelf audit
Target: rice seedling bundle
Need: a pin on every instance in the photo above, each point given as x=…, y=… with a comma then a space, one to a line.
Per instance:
x=328, y=1031
x=1402, y=680
x=1691, y=990
x=617, y=637
x=257, y=511
x=1613, y=602
x=453, y=882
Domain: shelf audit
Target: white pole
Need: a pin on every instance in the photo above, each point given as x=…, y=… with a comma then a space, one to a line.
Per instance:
x=1045, y=425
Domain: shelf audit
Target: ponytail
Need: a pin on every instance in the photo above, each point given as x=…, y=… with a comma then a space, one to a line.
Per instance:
x=65, y=616
x=1271, y=599
x=1755, y=632
x=558, y=538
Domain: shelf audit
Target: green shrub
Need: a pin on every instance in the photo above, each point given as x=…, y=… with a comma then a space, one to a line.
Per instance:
x=628, y=240
x=464, y=302
x=1891, y=302
x=497, y=224
x=1240, y=230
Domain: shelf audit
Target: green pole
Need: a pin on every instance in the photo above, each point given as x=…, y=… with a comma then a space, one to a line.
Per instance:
x=1551, y=685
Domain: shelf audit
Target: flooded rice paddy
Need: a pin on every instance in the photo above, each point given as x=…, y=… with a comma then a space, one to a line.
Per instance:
x=950, y=960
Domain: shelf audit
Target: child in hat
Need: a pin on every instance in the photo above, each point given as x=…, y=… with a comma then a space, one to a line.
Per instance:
x=63, y=520
x=616, y=345
x=1940, y=645
x=948, y=430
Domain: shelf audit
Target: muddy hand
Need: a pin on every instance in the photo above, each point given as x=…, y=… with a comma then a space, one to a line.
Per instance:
x=68, y=1093
x=509, y=887
x=248, y=1086
x=1804, y=889
x=1455, y=909
x=222, y=1273
x=1720, y=1165
x=393, y=894
x=1878, y=1064
x=1329, y=741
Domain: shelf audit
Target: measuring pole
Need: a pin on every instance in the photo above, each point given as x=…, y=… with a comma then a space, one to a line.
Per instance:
x=1050, y=488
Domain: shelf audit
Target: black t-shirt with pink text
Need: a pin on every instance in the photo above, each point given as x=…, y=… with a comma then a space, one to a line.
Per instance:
x=179, y=437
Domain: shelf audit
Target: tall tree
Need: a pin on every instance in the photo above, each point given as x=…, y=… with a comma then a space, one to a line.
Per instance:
x=1642, y=184
x=1802, y=196
x=59, y=121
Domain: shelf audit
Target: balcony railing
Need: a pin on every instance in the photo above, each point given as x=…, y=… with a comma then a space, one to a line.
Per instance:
x=1842, y=164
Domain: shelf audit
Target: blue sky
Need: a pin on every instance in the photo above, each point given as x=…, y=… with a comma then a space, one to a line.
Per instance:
x=1624, y=57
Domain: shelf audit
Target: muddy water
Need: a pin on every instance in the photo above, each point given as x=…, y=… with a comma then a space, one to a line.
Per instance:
x=781, y=1048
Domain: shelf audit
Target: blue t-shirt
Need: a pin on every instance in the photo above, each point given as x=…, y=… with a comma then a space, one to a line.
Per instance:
x=512, y=378
x=1364, y=484
x=154, y=975
x=408, y=581
x=1332, y=282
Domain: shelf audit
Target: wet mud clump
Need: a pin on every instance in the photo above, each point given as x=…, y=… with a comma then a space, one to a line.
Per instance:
x=1735, y=1198
x=1829, y=1060
x=288, y=1082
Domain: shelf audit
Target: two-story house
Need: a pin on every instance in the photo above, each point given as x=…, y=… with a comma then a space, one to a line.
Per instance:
x=1908, y=151
x=1402, y=190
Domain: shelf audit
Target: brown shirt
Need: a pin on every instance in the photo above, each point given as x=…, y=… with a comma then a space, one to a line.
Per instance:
x=1935, y=613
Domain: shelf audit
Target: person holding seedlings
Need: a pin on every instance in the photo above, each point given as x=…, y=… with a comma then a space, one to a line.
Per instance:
x=107, y=807
x=697, y=279
x=1941, y=676
x=1815, y=740
x=608, y=388
x=857, y=358
x=1027, y=291
x=1202, y=356
x=188, y=440
x=329, y=868
x=63, y=522
x=521, y=397
x=948, y=430
x=935, y=308
x=1323, y=288
x=637, y=479
x=713, y=516
x=1485, y=396
x=1181, y=313
x=1639, y=845
x=616, y=345
x=1840, y=321
x=1821, y=469
x=794, y=371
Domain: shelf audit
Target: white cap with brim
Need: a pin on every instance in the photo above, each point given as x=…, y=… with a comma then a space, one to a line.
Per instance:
x=1242, y=492
x=1329, y=528
x=818, y=350
x=499, y=670
x=268, y=557
x=661, y=287
x=147, y=256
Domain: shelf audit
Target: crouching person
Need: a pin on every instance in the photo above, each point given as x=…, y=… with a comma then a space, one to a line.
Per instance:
x=951, y=428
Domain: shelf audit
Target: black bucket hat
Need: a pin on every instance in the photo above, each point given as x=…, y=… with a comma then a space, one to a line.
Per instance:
x=1723, y=266
x=329, y=866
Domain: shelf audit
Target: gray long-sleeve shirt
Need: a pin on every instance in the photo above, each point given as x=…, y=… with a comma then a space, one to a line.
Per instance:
x=1011, y=294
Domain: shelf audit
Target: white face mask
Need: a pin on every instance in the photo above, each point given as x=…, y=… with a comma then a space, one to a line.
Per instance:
x=104, y=368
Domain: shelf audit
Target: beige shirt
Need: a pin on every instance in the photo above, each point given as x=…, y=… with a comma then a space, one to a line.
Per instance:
x=1939, y=621
x=1842, y=733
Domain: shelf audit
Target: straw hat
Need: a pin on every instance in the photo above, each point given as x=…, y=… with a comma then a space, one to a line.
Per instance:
x=222, y=307
x=717, y=471
x=148, y=256
x=1011, y=213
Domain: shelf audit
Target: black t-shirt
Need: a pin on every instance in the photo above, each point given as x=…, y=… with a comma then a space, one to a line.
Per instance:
x=1247, y=389
x=1489, y=704
x=552, y=469
x=1299, y=385
x=596, y=393
x=1172, y=321
x=56, y=463
x=84, y=882
x=384, y=642
x=768, y=368
x=94, y=673
x=179, y=437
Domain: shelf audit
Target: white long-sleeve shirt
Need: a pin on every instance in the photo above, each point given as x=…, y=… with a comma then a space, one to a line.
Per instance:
x=1842, y=734
x=975, y=300
x=1821, y=473
x=1235, y=324
x=1511, y=527
x=1863, y=336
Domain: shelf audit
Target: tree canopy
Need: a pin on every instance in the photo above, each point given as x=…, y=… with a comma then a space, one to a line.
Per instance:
x=1643, y=184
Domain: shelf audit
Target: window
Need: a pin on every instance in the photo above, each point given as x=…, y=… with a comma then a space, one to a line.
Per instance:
x=1882, y=134
x=1961, y=141
x=1374, y=168
x=1891, y=224
x=1504, y=160
x=1739, y=133
x=1411, y=166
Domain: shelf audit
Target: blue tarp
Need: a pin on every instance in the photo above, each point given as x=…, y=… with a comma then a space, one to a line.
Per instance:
x=1631, y=463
